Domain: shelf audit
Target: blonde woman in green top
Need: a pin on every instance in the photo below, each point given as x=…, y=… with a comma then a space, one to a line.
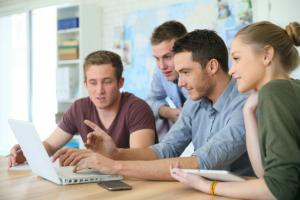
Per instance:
x=263, y=56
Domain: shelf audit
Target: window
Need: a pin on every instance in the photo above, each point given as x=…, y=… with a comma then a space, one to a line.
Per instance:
x=14, y=75
x=44, y=63
x=27, y=72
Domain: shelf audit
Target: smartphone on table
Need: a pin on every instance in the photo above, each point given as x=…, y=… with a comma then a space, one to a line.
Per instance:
x=115, y=185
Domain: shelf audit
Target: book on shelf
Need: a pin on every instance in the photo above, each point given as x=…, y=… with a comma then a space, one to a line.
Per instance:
x=68, y=52
x=68, y=23
x=70, y=43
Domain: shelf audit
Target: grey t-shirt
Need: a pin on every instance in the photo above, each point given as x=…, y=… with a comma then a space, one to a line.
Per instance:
x=134, y=115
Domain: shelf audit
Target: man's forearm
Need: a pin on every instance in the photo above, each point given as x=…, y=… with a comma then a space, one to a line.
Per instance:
x=155, y=169
x=57, y=139
x=169, y=113
x=134, y=154
x=50, y=150
x=163, y=111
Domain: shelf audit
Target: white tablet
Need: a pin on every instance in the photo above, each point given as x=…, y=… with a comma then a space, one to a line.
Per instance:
x=218, y=175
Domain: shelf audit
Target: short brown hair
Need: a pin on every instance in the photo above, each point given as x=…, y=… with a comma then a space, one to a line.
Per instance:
x=104, y=57
x=282, y=40
x=168, y=31
x=204, y=45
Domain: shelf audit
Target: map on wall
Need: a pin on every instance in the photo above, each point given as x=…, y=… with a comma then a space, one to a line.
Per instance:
x=225, y=17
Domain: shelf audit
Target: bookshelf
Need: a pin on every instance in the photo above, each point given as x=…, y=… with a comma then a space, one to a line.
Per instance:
x=78, y=34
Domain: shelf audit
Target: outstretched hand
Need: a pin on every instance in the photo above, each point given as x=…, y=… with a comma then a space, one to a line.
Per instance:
x=69, y=156
x=98, y=162
x=99, y=141
x=16, y=156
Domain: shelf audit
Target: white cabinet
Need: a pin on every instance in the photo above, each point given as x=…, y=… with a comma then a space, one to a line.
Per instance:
x=78, y=34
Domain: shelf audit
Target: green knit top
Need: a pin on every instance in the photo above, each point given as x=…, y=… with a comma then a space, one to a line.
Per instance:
x=279, y=135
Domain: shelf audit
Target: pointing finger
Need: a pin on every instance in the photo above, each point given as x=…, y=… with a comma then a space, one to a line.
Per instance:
x=92, y=125
x=97, y=130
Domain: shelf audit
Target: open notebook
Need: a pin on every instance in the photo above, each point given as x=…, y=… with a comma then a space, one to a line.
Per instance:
x=40, y=163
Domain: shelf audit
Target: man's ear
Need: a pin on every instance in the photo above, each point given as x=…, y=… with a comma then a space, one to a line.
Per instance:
x=85, y=83
x=268, y=55
x=212, y=66
x=121, y=82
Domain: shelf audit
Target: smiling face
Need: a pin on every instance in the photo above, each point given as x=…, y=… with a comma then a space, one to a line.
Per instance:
x=163, y=55
x=103, y=86
x=247, y=68
x=192, y=76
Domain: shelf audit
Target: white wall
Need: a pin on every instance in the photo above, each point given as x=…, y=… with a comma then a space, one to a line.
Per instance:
x=114, y=11
x=279, y=12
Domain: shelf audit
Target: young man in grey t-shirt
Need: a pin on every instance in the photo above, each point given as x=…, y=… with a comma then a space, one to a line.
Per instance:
x=127, y=120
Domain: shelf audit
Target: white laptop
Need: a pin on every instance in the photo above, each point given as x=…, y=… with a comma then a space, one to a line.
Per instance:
x=40, y=163
x=218, y=175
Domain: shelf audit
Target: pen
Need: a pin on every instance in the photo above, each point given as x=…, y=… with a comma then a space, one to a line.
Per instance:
x=8, y=155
